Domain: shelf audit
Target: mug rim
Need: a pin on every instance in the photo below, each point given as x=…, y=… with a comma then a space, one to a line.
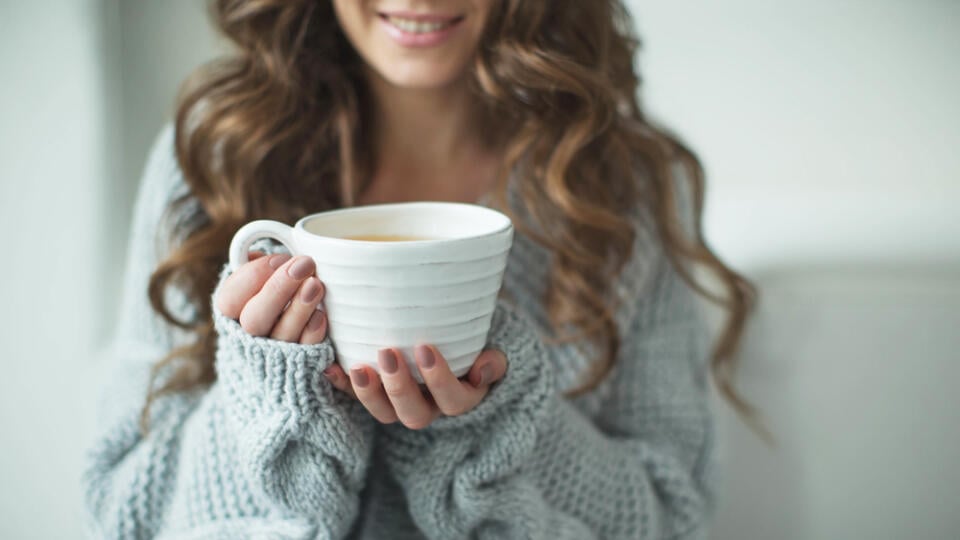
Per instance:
x=300, y=225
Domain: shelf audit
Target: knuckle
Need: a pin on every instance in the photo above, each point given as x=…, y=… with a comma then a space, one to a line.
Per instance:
x=222, y=305
x=258, y=265
x=278, y=285
x=253, y=273
x=397, y=391
x=227, y=301
x=386, y=420
x=369, y=395
x=456, y=409
x=253, y=325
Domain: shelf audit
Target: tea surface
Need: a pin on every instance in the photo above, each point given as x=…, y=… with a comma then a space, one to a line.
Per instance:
x=388, y=238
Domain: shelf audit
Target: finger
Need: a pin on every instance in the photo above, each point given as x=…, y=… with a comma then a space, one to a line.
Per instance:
x=452, y=396
x=339, y=380
x=316, y=329
x=245, y=282
x=262, y=311
x=366, y=386
x=490, y=367
x=436, y=413
x=254, y=255
x=403, y=391
x=303, y=305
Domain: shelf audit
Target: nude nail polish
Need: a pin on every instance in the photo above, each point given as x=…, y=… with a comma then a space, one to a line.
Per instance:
x=388, y=361
x=359, y=377
x=427, y=360
x=276, y=261
x=301, y=268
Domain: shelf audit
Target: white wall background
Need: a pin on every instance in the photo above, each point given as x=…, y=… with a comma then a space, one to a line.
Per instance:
x=53, y=161
x=828, y=130
x=157, y=45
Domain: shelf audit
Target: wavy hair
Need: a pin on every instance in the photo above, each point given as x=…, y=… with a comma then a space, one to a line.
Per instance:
x=276, y=131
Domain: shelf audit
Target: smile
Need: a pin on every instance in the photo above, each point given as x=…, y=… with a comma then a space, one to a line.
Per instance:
x=416, y=30
x=414, y=26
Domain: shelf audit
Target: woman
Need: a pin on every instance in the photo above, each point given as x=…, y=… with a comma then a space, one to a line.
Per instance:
x=586, y=417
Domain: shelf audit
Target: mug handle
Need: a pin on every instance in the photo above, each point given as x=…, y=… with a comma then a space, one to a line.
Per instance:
x=258, y=230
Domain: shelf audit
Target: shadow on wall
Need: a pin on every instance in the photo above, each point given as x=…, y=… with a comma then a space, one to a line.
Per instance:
x=763, y=493
x=149, y=49
x=855, y=374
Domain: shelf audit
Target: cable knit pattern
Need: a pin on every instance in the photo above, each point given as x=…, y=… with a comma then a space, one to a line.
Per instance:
x=527, y=464
x=302, y=443
x=271, y=450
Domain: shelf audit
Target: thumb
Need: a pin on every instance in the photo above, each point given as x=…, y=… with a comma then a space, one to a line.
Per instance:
x=490, y=367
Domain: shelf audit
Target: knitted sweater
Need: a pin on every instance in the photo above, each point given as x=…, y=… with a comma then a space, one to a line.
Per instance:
x=271, y=450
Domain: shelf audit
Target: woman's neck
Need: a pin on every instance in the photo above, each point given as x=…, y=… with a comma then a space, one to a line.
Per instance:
x=427, y=144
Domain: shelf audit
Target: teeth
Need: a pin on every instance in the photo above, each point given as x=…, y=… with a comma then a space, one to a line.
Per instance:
x=412, y=26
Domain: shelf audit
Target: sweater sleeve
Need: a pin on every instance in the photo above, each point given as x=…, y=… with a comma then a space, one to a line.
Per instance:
x=268, y=450
x=527, y=464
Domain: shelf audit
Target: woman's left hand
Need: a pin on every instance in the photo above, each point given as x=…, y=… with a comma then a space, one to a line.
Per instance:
x=396, y=395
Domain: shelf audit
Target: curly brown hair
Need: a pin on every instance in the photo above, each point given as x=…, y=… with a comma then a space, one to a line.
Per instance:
x=277, y=131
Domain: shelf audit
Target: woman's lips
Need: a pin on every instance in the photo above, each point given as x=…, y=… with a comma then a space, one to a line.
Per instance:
x=420, y=30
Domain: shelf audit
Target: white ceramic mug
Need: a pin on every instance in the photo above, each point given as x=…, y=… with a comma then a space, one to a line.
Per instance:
x=439, y=291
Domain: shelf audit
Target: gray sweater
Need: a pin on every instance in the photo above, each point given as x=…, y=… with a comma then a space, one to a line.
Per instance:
x=271, y=450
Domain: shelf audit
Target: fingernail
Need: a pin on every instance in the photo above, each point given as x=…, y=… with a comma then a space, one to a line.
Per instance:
x=359, y=377
x=486, y=375
x=388, y=360
x=311, y=290
x=276, y=261
x=301, y=268
x=475, y=376
x=316, y=321
x=427, y=360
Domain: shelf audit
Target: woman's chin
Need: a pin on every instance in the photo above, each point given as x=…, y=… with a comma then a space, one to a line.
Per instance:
x=420, y=77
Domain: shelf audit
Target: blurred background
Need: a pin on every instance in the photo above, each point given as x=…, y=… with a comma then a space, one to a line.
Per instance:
x=830, y=133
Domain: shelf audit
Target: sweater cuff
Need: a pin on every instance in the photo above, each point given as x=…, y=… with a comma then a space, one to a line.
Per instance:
x=265, y=374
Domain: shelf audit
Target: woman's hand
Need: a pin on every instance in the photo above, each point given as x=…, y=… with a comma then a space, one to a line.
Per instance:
x=275, y=296
x=397, y=396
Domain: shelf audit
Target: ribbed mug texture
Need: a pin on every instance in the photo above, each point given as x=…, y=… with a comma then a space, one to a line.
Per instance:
x=440, y=291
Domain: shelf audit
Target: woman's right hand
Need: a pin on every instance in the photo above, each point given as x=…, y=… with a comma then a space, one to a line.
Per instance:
x=275, y=296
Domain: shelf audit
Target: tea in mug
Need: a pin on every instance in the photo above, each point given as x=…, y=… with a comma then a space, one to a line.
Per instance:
x=387, y=238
